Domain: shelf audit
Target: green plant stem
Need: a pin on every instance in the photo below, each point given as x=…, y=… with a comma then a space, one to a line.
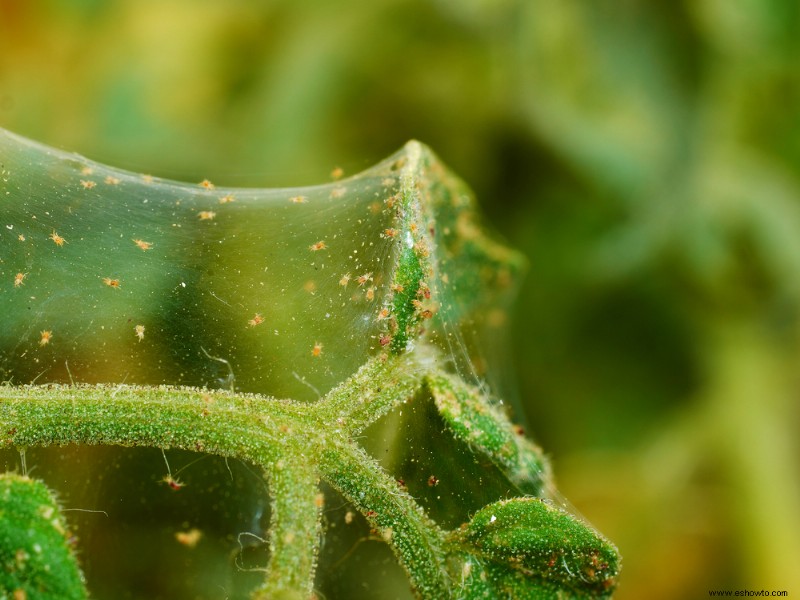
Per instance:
x=417, y=541
x=296, y=509
x=267, y=432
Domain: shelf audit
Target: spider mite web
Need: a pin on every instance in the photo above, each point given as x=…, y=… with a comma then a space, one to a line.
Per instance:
x=112, y=276
x=116, y=277
x=108, y=276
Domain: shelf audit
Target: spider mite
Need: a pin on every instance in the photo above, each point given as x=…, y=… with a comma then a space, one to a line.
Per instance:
x=317, y=349
x=87, y=185
x=318, y=246
x=370, y=294
x=337, y=173
x=143, y=245
x=344, y=280
x=424, y=290
x=111, y=180
x=46, y=337
x=112, y=283
x=298, y=199
x=139, y=331
x=362, y=279
x=57, y=239
x=18, y=279
x=207, y=184
x=256, y=320
x=173, y=482
x=226, y=199
x=206, y=215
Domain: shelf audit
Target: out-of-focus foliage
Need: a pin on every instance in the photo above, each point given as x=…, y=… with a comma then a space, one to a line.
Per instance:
x=644, y=155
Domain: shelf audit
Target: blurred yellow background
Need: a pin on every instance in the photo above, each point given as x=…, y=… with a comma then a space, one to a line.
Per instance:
x=644, y=155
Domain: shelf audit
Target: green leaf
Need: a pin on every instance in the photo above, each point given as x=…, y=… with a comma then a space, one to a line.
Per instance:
x=529, y=548
x=35, y=546
x=473, y=419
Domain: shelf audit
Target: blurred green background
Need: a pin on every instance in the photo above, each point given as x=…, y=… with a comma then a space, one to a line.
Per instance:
x=644, y=155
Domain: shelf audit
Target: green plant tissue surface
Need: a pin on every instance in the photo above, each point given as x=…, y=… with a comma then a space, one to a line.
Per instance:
x=349, y=300
x=35, y=547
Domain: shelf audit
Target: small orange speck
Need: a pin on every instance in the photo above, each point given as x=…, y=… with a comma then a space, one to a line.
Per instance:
x=189, y=538
x=139, y=331
x=344, y=280
x=206, y=215
x=143, y=245
x=46, y=337
x=256, y=320
x=362, y=279
x=227, y=198
x=390, y=233
x=383, y=314
x=59, y=241
x=317, y=350
x=87, y=185
x=111, y=180
x=112, y=283
x=298, y=199
x=337, y=173
x=18, y=279
x=207, y=184
x=318, y=246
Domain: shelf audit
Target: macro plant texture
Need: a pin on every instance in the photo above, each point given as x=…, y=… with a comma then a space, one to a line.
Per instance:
x=267, y=393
